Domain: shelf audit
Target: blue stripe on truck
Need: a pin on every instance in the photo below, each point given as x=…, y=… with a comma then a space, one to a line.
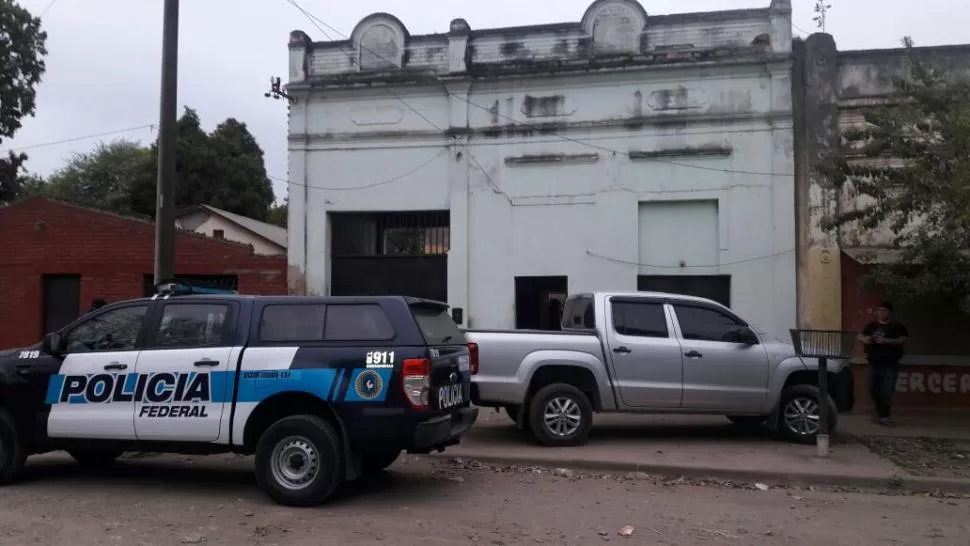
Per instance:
x=215, y=387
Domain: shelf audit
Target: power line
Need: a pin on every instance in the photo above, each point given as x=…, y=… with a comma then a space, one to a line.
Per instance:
x=44, y=11
x=722, y=264
x=366, y=186
x=317, y=22
x=78, y=138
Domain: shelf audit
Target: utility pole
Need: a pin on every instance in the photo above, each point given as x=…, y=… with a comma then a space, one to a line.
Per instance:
x=167, y=135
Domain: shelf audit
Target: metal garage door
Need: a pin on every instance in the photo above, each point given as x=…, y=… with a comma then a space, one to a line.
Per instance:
x=400, y=253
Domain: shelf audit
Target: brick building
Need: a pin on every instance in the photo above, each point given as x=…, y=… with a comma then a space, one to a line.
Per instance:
x=55, y=258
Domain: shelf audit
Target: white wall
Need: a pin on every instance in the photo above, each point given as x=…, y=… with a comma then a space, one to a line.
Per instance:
x=425, y=147
x=207, y=224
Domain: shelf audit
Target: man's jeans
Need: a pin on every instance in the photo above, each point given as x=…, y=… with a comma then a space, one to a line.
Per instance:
x=882, y=386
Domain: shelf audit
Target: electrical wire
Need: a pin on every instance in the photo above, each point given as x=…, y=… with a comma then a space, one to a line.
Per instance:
x=44, y=11
x=722, y=264
x=317, y=22
x=77, y=138
x=365, y=186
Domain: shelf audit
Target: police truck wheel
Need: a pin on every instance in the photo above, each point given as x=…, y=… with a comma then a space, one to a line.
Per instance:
x=560, y=415
x=95, y=457
x=372, y=463
x=12, y=452
x=299, y=460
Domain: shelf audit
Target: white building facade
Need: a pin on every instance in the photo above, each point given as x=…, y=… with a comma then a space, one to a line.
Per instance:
x=500, y=168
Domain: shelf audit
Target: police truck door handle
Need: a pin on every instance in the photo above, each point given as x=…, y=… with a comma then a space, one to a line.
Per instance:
x=622, y=351
x=24, y=369
x=116, y=366
x=693, y=354
x=206, y=363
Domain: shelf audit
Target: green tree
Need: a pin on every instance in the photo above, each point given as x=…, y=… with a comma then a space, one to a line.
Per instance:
x=244, y=189
x=22, y=52
x=278, y=215
x=224, y=169
x=911, y=162
x=104, y=177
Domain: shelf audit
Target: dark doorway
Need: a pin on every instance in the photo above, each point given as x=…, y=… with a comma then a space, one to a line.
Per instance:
x=712, y=287
x=538, y=302
x=62, y=301
x=390, y=254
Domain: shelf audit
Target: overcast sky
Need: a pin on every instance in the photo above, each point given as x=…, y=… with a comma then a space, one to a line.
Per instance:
x=103, y=64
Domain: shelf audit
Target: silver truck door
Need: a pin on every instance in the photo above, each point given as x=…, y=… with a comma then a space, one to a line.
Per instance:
x=719, y=374
x=647, y=366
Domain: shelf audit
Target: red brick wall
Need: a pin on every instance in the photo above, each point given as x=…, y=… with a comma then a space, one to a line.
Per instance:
x=111, y=253
x=946, y=384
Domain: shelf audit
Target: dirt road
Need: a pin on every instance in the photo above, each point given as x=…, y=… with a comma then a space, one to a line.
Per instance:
x=174, y=500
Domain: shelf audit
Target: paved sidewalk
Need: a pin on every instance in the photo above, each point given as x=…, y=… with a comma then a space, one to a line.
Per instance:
x=693, y=446
x=938, y=424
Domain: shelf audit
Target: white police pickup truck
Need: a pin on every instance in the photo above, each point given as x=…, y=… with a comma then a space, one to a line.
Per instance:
x=321, y=390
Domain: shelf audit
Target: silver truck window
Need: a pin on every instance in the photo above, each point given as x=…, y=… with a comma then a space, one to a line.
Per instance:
x=704, y=324
x=639, y=319
x=292, y=322
x=578, y=313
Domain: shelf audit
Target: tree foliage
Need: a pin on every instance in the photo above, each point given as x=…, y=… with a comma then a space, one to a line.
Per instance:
x=223, y=169
x=22, y=52
x=914, y=172
x=279, y=215
x=104, y=177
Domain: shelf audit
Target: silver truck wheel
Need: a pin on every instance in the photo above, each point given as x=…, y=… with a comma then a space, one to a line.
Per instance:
x=798, y=415
x=560, y=415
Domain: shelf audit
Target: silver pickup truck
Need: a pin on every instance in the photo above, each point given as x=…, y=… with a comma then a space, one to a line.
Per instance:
x=649, y=352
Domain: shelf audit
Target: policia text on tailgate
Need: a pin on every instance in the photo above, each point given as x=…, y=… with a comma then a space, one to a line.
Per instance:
x=321, y=390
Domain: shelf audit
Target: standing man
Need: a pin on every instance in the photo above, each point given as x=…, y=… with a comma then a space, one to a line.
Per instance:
x=883, y=340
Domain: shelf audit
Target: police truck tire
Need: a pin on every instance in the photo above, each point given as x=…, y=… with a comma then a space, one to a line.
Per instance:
x=95, y=457
x=572, y=404
x=299, y=460
x=13, y=455
x=372, y=463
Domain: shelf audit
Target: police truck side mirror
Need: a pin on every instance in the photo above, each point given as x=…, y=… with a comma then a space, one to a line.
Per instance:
x=53, y=344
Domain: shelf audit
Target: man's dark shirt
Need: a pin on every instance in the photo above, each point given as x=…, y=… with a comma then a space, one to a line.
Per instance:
x=884, y=354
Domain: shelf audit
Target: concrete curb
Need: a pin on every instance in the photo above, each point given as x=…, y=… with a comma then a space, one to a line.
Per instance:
x=904, y=482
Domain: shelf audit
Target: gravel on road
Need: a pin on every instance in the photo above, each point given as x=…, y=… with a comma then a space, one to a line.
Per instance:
x=173, y=500
x=924, y=456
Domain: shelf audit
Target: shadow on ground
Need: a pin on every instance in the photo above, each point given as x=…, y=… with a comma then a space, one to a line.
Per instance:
x=646, y=428
x=149, y=475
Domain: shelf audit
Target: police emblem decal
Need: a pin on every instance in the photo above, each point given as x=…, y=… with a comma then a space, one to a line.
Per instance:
x=369, y=385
